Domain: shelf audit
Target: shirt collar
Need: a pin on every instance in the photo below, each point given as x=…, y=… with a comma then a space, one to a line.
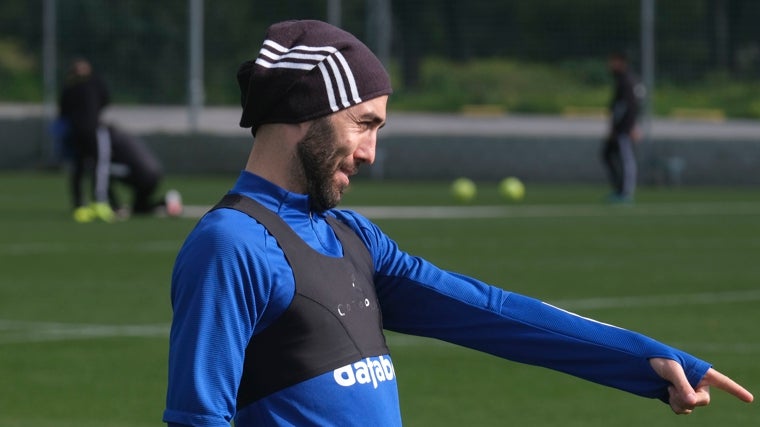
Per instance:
x=269, y=194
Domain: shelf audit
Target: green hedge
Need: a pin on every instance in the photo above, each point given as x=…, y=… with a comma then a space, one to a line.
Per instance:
x=523, y=87
x=494, y=85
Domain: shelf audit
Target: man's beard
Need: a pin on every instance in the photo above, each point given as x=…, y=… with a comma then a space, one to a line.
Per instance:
x=318, y=156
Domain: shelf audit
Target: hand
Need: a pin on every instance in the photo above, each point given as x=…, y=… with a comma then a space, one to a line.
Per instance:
x=636, y=135
x=684, y=398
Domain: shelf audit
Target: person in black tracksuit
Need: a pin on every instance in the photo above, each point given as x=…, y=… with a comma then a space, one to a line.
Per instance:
x=618, y=149
x=82, y=101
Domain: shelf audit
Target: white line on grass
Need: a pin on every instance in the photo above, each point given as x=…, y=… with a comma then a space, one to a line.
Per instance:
x=557, y=211
x=538, y=211
x=427, y=212
x=423, y=212
x=19, y=331
x=15, y=331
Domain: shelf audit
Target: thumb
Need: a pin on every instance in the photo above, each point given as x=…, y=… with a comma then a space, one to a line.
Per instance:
x=682, y=396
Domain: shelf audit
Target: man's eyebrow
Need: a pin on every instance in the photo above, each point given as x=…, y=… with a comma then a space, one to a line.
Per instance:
x=372, y=117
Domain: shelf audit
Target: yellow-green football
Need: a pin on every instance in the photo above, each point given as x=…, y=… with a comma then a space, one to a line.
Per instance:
x=84, y=214
x=512, y=189
x=463, y=190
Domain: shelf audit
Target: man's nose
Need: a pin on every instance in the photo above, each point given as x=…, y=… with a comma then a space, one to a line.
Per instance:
x=365, y=153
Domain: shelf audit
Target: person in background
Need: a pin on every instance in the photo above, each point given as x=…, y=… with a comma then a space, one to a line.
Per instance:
x=618, y=154
x=86, y=140
x=280, y=299
x=107, y=154
x=134, y=165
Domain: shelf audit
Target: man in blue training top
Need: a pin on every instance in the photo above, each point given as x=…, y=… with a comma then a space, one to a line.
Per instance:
x=280, y=300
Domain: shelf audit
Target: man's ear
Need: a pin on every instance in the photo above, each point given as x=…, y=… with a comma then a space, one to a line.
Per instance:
x=303, y=128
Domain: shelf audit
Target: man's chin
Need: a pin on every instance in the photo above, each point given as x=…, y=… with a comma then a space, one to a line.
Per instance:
x=325, y=202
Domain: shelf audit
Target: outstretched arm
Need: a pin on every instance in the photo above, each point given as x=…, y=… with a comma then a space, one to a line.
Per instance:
x=683, y=398
x=421, y=299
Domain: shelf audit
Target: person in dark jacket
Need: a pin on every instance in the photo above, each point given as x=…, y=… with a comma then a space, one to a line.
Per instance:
x=88, y=143
x=618, y=152
x=134, y=165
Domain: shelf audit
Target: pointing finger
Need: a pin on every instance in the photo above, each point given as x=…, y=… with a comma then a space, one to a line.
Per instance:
x=722, y=382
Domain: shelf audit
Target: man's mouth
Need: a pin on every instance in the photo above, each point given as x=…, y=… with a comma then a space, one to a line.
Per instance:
x=345, y=173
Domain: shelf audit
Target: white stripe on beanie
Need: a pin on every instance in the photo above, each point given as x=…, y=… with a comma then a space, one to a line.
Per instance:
x=278, y=56
x=339, y=81
x=281, y=52
x=328, y=84
x=350, y=75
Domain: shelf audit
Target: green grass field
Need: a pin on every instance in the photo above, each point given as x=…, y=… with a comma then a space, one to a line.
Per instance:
x=84, y=308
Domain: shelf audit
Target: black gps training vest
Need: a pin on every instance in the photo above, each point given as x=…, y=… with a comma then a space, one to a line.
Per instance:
x=333, y=320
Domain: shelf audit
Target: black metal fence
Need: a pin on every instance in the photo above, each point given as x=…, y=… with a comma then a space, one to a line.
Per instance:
x=142, y=45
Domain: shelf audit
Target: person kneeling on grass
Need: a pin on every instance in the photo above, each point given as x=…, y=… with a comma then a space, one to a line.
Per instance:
x=130, y=163
x=135, y=166
x=280, y=299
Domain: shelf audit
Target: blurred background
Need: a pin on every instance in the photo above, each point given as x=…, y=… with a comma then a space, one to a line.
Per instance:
x=497, y=64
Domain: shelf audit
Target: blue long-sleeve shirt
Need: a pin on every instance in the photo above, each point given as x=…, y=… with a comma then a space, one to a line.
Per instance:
x=231, y=281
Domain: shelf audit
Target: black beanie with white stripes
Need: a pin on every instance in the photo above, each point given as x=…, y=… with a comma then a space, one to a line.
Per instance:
x=305, y=70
